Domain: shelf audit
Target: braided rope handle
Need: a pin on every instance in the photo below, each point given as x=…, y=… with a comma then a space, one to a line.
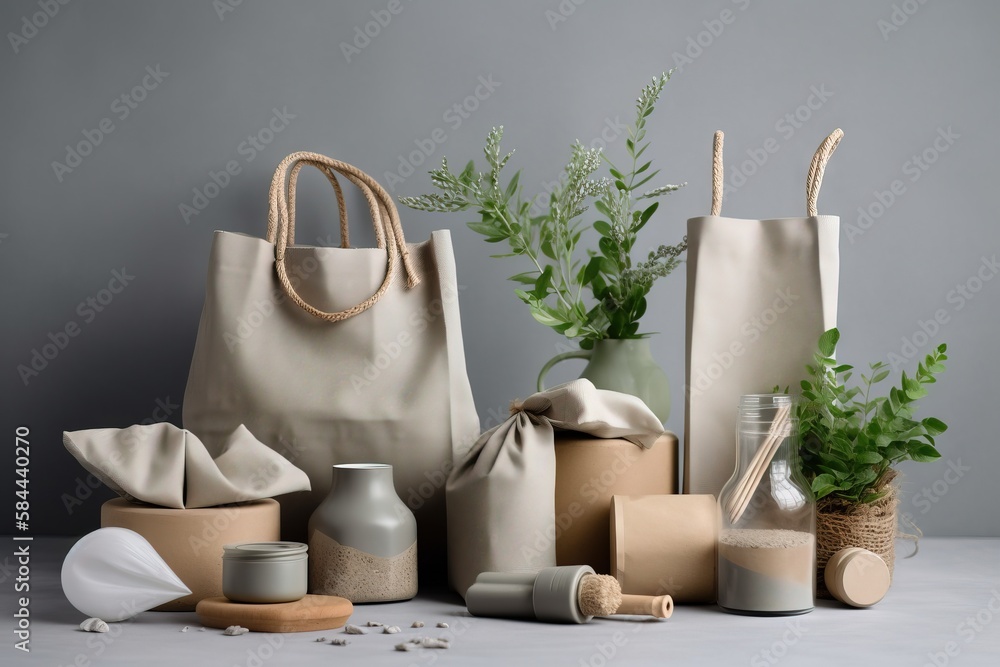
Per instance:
x=385, y=220
x=293, y=182
x=814, y=178
x=718, y=176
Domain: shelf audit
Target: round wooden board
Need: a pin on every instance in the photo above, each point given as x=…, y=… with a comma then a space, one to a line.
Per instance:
x=313, y=612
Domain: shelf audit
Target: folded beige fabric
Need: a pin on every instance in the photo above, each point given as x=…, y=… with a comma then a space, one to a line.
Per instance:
x=164, y=465
x=501, y=494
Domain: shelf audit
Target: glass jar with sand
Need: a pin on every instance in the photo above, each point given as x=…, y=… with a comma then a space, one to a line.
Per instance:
x=767, y=539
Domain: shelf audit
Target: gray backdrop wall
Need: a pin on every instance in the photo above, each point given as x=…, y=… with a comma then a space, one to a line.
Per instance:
x=97, y=243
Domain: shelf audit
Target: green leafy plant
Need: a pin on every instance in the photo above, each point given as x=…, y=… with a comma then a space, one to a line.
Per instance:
x=557, y=276
x=851, y=439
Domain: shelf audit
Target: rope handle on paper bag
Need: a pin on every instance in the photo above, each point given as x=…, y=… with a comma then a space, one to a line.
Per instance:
x=814, y=177
x=385, y=220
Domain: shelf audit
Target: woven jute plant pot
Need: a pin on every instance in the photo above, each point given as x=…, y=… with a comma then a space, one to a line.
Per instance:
x=841, y=524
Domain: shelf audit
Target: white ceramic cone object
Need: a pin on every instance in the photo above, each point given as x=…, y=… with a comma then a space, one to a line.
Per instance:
x=114, y=574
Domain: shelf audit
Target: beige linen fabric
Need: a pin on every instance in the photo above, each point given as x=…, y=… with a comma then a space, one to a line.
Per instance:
x=501, y=495
x=163, y=465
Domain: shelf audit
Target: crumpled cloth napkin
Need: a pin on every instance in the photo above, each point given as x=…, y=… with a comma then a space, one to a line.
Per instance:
x=501, y=494
x=168, y=466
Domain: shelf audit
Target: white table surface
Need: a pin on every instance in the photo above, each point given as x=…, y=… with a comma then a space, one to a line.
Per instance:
x=946, y=599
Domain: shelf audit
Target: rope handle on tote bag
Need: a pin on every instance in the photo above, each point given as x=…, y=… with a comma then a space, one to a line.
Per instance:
x=385, y=220
x=814, y=177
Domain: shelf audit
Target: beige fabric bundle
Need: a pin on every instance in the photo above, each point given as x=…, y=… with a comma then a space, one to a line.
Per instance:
x=167, y=466
x=501, y=494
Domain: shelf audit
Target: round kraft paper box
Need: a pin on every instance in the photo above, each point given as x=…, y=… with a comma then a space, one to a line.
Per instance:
x=589, y=471
x=665, y=544
x=190, y=541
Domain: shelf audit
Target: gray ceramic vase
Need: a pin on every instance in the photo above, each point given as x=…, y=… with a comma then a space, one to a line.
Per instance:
x=363, y=538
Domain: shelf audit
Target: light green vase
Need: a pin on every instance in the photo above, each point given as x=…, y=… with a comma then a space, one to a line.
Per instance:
x=624, y=365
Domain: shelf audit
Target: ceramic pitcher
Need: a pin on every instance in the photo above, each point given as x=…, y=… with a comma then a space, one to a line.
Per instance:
x=624, y=365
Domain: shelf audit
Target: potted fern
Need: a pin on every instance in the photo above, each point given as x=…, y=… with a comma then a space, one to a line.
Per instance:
x=852, y=441
x=595, y=295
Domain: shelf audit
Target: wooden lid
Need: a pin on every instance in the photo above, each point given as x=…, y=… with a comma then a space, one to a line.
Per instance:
x=857, y=577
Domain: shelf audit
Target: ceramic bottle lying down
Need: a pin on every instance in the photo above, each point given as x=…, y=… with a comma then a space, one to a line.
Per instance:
x=564, y=594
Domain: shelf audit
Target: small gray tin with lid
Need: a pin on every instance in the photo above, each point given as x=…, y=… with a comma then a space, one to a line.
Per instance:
x=265, y=572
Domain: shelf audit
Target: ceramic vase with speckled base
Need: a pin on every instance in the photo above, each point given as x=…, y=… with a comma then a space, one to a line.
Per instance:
x=363, y=538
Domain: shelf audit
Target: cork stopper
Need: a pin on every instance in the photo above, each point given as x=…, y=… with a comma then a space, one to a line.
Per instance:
x=600, y=595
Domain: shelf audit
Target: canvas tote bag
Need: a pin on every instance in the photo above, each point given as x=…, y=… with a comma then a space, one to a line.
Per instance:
x=759, y=295
x=336, y=355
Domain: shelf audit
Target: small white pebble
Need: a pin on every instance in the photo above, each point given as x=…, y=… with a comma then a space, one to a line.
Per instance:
x=321, y=639
x=340, y=642
x=391, y=629
x=235, y=631
x=354, y=630
x=94, y=625
x=442, y=625
x=423, y=642
x=375, y=624
x=185, y=629
x=202, y=629
x=417, y=624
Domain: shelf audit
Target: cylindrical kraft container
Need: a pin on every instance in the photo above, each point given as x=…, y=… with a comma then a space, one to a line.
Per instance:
x=265, y=572
x=665, y=544
x=191, y=540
